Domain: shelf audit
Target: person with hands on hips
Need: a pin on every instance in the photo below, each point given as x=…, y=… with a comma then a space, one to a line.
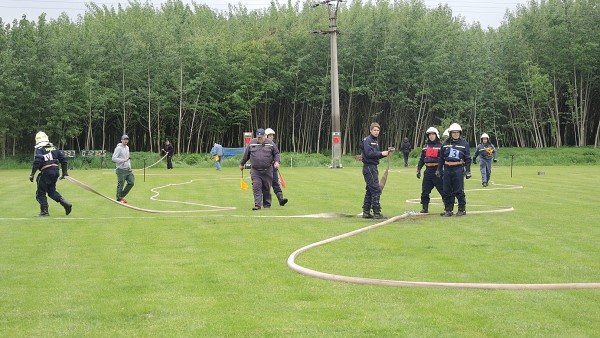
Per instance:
x=486, y=152
x=46, y=160
x=455, y=165
x=429, y=159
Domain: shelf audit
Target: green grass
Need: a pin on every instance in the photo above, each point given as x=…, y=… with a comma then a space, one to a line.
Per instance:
x=106, y=270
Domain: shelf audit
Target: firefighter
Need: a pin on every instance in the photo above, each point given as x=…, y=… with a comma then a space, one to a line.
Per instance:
x=270, y=133
x=370, y=157
x=429, y=158
x=486, y=152
x=46, y=160
x=455, y=164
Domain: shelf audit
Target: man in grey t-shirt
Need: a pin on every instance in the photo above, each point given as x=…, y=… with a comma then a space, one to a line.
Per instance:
x=123, y=171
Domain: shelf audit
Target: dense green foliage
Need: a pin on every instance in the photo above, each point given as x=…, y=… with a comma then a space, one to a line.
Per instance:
x=198, y=76
x=109, y=271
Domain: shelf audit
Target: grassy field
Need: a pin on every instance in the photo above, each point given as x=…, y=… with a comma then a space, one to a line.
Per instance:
x=106, y=270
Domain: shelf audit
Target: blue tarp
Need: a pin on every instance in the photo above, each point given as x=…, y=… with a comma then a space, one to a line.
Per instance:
x=229, y=152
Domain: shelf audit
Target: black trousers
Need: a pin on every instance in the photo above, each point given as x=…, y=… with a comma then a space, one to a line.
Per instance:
x=373, y=192
x=454, y=185
x=431, y=181
x=46, y=185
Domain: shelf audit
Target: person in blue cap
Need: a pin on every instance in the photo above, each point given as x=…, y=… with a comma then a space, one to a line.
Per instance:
x=123, y=170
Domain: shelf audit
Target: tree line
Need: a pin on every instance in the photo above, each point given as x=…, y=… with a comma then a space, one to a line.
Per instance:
x=198, y=76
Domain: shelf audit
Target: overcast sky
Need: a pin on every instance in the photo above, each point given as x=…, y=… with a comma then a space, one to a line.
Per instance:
x=487, y=12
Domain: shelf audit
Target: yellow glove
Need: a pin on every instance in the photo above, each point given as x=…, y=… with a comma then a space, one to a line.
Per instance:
x=216, y=157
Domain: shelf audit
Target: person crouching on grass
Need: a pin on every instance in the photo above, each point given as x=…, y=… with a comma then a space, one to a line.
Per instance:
x=370, y=157
x=263, y=155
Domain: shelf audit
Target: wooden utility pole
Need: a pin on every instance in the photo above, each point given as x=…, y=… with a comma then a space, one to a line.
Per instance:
x=336, y=134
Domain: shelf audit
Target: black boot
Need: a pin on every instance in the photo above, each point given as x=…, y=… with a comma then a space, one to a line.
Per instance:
x=377, y=213
x=281, y=199
x=448, y=211
x=461, y=210
x=425, y=209
x=44, y=210
x=366, y=212
x=68, y=206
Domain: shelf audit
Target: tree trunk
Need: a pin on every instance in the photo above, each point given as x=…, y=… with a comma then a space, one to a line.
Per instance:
x=149, y=114
x=556, y=114
x=179, y=140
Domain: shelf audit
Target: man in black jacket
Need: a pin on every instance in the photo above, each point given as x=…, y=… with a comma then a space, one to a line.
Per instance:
x=46, y=160
x=168, y=148
x=371, y=154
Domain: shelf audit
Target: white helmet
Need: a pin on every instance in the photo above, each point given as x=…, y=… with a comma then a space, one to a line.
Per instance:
x=269, y=131
x=455, y=127
x=484, y=135
x=432, y=130
x=41, y=139
x=446, y=133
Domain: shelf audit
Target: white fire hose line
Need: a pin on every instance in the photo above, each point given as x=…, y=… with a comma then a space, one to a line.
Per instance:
x=152, y=165
x=88, y=188
x=156, y=194
x=291, y=262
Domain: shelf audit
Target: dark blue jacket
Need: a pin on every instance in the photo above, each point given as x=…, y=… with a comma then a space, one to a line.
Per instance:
x=431, y=153
x=456, y=151
x=369, y=149
x=48, y=155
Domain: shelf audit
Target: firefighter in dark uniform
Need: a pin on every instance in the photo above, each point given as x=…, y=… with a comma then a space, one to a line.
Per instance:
x=455, y=163
x=370, y=157
x=486, y=151
x=264, y=156
x=46, y=160
x=430, y=156
x=270, y=133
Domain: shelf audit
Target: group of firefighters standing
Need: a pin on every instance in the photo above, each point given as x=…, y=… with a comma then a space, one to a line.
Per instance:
x=446, y=165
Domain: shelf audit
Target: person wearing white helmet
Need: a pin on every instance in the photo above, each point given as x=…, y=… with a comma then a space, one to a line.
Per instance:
x=430, y=156
x=46, y=159
x=270, y=133
x=445, y=135
x=486, y=152
x=455, y=164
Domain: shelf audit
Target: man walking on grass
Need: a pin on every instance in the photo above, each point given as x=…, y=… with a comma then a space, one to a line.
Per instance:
x=123, y=170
